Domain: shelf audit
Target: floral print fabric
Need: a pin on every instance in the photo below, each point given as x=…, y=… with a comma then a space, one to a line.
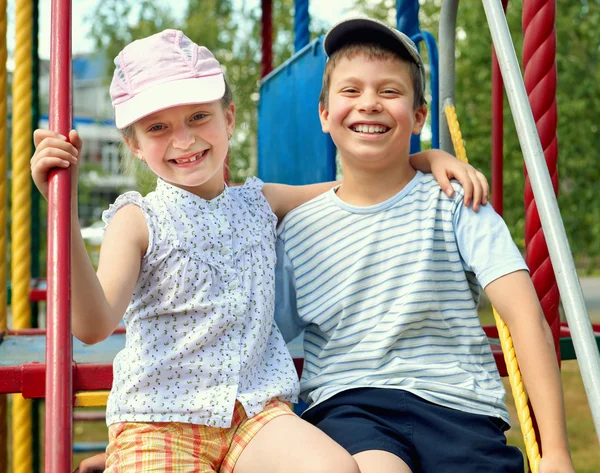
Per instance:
x=200, y=329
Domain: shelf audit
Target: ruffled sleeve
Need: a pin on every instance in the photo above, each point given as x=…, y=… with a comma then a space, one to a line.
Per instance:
x=133, y=198
x=254, y=184
x=251, y=193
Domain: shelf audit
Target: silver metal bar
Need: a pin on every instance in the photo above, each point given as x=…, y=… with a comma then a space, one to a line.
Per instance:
x=556, y=237
x=447, y=63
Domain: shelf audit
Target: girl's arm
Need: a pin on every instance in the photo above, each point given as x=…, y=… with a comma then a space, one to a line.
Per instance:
x=515, y=299
x=98, y=300
x=283, y=198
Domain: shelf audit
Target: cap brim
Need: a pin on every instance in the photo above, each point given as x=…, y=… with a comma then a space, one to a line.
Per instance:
x=366, y=29
x=167, y=95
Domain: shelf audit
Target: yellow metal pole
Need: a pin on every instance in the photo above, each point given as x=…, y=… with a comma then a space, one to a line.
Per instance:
x=91, y=399
x=510, y=357
x=3, y=164
x=3, y=219
x=21, y=218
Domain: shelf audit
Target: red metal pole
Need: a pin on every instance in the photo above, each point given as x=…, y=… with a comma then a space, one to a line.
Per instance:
x=540, y=77
x=497, y=133
x=267, y=37
x=59, y=349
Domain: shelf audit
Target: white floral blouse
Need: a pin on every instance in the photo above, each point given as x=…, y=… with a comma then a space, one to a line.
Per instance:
x=200, y=329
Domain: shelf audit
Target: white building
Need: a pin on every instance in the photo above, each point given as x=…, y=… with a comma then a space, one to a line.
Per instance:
x=101, y=176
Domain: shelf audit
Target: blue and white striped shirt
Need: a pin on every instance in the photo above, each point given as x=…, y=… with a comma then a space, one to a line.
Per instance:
x=387, y=295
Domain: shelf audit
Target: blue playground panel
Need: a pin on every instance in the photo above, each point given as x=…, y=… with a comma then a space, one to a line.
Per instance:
x=17, y=350
x=292, y=149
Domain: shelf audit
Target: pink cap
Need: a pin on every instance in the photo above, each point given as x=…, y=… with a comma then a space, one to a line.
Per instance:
x=162, y=71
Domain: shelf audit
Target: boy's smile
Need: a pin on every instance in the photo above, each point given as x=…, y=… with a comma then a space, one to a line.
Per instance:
x=370, y=128
x=370, y=113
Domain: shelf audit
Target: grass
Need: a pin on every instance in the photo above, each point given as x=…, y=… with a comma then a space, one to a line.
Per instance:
x=88, y=432
x=583, y=439
x=580, y=428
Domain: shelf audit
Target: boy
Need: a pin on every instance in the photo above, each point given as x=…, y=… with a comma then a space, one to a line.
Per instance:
x=380, y=273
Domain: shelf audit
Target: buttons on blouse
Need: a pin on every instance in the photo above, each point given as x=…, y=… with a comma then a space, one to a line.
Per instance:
x=232, y=346
x=233, y=285
x=224, y=251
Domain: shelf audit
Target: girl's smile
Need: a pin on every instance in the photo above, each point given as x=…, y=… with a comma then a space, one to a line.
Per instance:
x=187, y=145
x=189, y=159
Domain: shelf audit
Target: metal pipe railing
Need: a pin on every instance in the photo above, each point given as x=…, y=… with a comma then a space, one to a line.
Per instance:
x=447, y=68
x=58, y=436
x=434, y=80
x=497, y=133
x=555, y=235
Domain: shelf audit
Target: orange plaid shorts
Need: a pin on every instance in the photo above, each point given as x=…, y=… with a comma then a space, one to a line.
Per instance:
x=177, y=447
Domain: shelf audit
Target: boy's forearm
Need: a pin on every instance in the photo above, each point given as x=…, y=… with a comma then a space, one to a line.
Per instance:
x=537, y=360
x=515, y=299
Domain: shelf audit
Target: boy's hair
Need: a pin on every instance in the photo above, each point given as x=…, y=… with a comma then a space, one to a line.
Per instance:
x=372, y=51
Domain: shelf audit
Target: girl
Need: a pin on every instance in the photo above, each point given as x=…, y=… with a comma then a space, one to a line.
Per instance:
x=201, y=383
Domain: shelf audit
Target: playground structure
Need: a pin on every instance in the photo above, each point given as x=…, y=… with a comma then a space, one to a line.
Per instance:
x=39, y=364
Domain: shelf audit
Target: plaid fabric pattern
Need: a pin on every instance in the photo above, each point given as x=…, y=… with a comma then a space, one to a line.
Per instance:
x=175, y=447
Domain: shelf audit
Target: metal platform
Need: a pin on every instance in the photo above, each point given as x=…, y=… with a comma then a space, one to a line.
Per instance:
x=23, y=369
x=21, y=349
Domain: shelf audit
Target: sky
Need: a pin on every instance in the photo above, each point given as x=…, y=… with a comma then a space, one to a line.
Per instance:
x=329, y=11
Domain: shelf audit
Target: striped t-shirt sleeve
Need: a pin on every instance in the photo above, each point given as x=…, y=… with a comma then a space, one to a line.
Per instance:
x=485, y=244
x=286, y=311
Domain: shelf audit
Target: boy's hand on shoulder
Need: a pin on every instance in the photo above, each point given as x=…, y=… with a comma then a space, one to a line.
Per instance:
x=474, y=183
x=554, y=462
x=53, y=150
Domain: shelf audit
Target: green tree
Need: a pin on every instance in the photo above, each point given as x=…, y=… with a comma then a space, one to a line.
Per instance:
x=116, y=23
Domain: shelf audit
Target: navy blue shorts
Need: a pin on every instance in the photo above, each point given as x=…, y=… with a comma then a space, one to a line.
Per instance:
x=429, y=438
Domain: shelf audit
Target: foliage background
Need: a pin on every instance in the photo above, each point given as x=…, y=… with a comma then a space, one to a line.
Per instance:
x=234, y=36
